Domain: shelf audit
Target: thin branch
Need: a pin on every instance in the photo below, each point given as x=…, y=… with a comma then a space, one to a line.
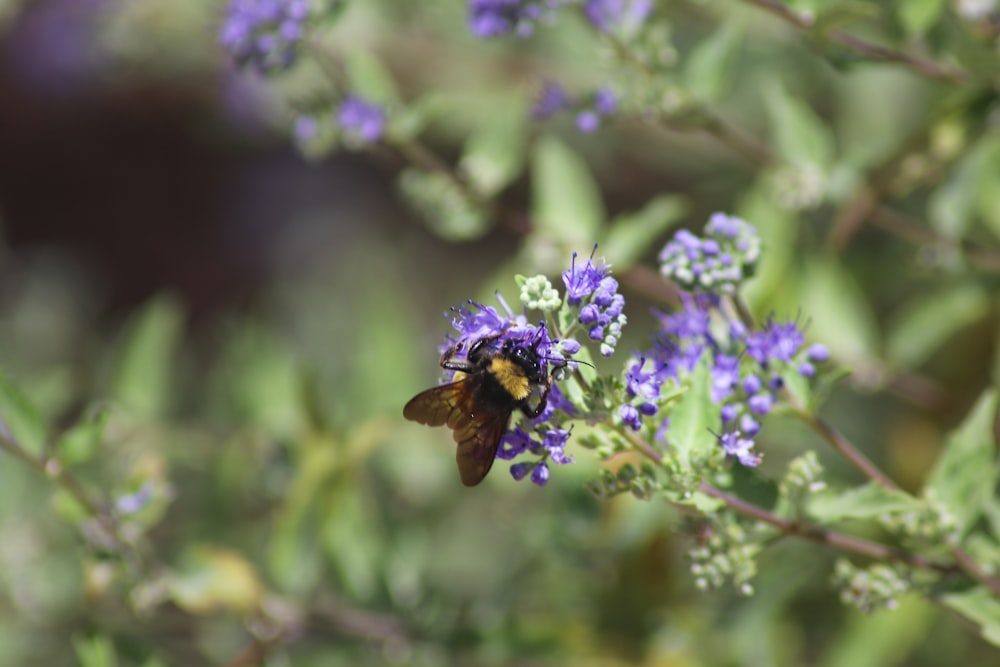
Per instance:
x=864, y=48
x=831, y=538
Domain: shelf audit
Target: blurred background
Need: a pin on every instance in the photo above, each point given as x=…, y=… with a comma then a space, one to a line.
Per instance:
x=218, y=334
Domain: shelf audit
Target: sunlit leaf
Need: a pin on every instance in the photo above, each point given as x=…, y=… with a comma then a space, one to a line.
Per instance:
x=566, y=201
x=95, y=651
x=927, y=322
x=20, y=422
x=838, y=311
x=980, y=606
x=369, y=78
x=494, y=154
x=633, y=234
x=713, y=62
x=211, y=579
x=863, y=502
x=919, y=16
x=81, y=441
x=965, y=475
x=799, y=135
x=146, y=357
x=693, y=418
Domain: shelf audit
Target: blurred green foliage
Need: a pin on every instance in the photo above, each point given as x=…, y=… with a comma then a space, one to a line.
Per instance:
x=242, y=490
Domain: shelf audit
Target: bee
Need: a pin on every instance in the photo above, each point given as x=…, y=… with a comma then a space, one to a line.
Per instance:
x=489, y=385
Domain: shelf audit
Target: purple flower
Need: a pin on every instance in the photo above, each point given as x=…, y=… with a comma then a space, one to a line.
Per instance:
x=581, y=283
x=555, y=443
x=519, y=470
x=740, y=448
x=551, y=101
x=514, y=443
x=605, y=101
x=264, y=34
x=607, y=15
x=55, y=46
x=588, y=121
x=630, y=416
x=760, y=404
x=361, y=120
x=540, y=475
x=718, y=263
x=589, y=110
x=492, y=18
x=305, y=128
x=818, y=353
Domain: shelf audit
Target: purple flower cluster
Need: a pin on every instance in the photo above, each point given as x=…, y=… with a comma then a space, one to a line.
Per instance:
x=747, y=367
x=264, y=34
x=493, y=18
x=603, y=314
x=590, y=110
x=717, y=263
x=608, y=15
x=360, y=120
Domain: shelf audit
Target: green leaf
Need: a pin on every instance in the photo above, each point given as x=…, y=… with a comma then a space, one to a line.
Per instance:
x=965, y=474
x=798, y=134
x=213, y=579
x=693, y=417
x=712, y=63
x=862, y=502
x=566, y=201
x=778, y=230
x=443, y=204
x=146, y=358
x=80, y=442
x=835, y=305
x=833, y=15
x=95, y=651
x=970, y=190
x=633, y=234
x=369, y=78
x=926, y=323
x=918, y=16
x=980, y=606
x=20, y=420
x=495, y=153
x=877, y=640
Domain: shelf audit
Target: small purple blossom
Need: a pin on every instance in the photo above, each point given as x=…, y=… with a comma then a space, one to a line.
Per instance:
x=264, y=34
x=305, y=128
x=540, y=475
x=493, y=18
x=608, y=15
x=717, y=263
x=630, y=416
x=740, y=448
x=818, y=353
x=583, y=281
x=361, y=120
x=519, y=470
x=551, y=101
x=589, y=110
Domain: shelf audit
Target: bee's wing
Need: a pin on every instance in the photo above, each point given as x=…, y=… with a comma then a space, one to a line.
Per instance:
x=477, y=432
x=478, y=439
x=435, y=406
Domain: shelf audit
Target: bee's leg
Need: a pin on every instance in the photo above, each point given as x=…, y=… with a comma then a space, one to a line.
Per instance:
x=531, y=413
x=449, y=362
x=447, y=359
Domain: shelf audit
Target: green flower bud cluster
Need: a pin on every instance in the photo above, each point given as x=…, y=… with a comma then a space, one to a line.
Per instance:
x=871, y=589
x=727, y=552
x=537, y=293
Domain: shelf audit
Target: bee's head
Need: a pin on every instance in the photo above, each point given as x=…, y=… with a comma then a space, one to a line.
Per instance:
x=526, y=358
